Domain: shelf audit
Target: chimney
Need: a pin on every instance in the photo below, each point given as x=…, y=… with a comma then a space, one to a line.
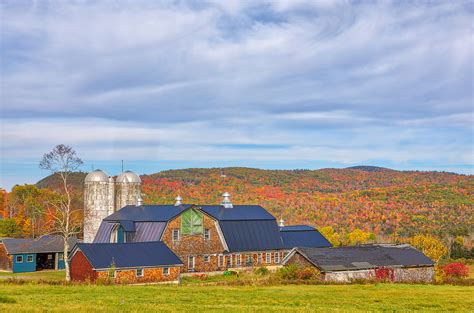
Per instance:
x=282, y=222
x=178, y=200
x=226, y=201
x=139, y=201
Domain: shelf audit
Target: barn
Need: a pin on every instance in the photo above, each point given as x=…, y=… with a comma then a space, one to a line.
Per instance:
x=33, y=254
x=131, y=263
x=397, y=263
x=302, y=236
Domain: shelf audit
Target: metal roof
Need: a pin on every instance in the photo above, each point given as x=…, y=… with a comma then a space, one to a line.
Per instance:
x=45, y=244
x=253, y=235
x=303, y=236
x=97, y=176
x=128, y=177
x=128, y=255
x=237, y=212
x=147, y=213
x=128, y=226
x=296, y=228
x=365, y=257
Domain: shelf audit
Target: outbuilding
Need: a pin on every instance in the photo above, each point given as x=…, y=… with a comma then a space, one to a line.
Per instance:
x=397, y=263
x=127, y=263
x=33, y=254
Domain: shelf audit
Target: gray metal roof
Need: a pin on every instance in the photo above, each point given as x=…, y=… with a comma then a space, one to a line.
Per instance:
x=147, y=213
x=253, y=235
x=237, y=212
x=128, y=177
x=45, y=244
x=128, y=255
x=365, y=257
x=303, y=236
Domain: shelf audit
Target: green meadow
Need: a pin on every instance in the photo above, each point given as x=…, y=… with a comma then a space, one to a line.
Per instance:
x=34, y=297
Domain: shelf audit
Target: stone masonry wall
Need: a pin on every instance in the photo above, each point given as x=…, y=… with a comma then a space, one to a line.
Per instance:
x=415, y=274
x=150, y=275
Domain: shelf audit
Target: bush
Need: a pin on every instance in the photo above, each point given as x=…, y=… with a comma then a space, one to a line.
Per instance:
x=261, y=271
x=308, y=273
x=384, y=274
x=440, y=274
x=289, y=272
x=456, y=270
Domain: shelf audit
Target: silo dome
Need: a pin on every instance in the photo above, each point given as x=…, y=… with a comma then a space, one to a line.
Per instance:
x=97, y=176
x=128, y=177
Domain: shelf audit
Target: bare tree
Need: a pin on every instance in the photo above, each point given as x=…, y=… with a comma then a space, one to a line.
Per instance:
x=63, y=161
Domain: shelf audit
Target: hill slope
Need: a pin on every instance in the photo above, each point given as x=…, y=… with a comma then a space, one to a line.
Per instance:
x=385, y=202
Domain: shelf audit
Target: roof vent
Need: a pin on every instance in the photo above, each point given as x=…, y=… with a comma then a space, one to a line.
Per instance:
x=178, y=200
x=282, y=222
x=139, y=201
x=226, y=201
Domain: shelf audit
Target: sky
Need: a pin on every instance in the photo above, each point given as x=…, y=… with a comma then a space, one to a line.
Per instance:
x=268, y=84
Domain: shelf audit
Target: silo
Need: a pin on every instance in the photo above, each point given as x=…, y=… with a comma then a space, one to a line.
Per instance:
x=127, y=189
x=98, y=201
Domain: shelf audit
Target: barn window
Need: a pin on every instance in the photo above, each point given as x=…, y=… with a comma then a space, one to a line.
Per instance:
x=269, y=258
x=206, y=259
x=139, y=272
x=19, y=259
x=207, y=234
x=166, y=271
x=191, y=263
x=259, y=258
x=237, y=260
x=248, y=260
x=229, y=261
x=277, y=257
x=175, y=234
x=60, y=256
x=29, y=258
x=112, y=274
x=191, y=223
x=220, y=260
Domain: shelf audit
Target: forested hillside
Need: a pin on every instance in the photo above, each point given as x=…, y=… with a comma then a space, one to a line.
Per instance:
x=385, y=202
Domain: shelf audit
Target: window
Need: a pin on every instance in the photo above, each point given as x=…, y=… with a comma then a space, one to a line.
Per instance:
x=191, y=263
x=206, y=259
x=269, y=258
x=191, y=222
x=175, y=234
x=220, y=260
x=259, y=258
x=19, y=259
x=237, y=260
x=277, y=257
x=60, y=256
x=50, y=256
x=29, y=258
x=229, y=261
x=248, y=260
x=166, y=271
x=139, y=272
x=112, y=274
x=207, y=234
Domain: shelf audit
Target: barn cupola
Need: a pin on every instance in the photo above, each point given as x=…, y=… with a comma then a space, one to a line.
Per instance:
x=282, y=222
x=178, y=200
x=226, y=201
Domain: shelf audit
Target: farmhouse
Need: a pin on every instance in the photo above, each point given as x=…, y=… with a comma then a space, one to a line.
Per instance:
x=398, y=263
x=30, y=255
x=145, y=262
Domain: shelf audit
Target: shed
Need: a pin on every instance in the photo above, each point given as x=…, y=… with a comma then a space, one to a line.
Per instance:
x=398, y=263
x=33, y=254
x=140, y=262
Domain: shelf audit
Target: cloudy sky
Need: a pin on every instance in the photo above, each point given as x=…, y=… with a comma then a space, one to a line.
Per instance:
x=278, y=84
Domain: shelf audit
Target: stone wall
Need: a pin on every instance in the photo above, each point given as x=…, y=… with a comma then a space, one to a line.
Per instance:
x=5, y=259
x=150, y=275
x=348, y=276
x=195, y=245
x=299, y=260
x=81, y=269
x=415, y=274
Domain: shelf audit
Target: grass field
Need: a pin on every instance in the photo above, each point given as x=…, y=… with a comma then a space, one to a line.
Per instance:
x=303, y=298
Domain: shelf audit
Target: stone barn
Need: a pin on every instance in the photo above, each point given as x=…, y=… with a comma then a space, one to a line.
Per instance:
x=397, y=263
x=131, y=263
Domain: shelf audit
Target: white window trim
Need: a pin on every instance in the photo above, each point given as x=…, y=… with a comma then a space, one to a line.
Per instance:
x=259, y=258
x=142, y=274
x=114, y=274
x=167, y=271
x=16, y=259
x=208, y=258
x=238, y=260
x=220, y=260
x=28, y=256
x=268, y=258
x=276, y=257
x=189, y=262
x=229, y=260
x=208, y=234
x=177, y=232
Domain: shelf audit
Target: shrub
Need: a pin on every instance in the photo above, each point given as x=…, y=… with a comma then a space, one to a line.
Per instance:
x=384, y=274
x=456, y=270
x=289, y=272
x=261, y=271
x=440, y=274
x=308, y=273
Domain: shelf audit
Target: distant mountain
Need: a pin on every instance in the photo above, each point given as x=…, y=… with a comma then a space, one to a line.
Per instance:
x=368, y=168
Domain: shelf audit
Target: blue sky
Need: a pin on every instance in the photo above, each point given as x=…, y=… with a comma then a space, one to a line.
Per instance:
x=270, y=84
